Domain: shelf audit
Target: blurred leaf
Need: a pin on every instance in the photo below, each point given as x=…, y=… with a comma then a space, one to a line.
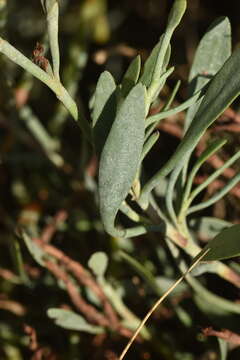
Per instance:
x=37, y=253
x=207, y=227
x=142, y=271
x=223, y=346
x=69, y=320
x=48, y=4
x=130, y=78
x=211, y=303
x=225, y=245
x=98, y=263
x=124, y=142
x=18, y=262
x=101, y=29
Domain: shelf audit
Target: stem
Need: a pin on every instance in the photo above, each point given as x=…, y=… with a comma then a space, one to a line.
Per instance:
x=55, y=85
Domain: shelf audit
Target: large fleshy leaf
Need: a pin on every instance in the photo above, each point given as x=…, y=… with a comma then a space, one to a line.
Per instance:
x=69, y=320
x=121, y=156
x=223, y=246
x=222, y=91
x=104, y=109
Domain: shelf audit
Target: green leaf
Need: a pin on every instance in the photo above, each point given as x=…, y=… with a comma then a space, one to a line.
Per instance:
x=121, y=156
x=214, y=175
x=104, y=109
x=174, y=19
x=223, y=89
x=223, y=246
x=131, y=76
x=69, y=320
x=98, y=263
x=209, y=151
x=212, y=52
x=185, y=105
x=217, y=196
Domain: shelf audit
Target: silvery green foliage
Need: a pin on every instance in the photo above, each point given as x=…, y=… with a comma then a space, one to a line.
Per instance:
x=120, y=120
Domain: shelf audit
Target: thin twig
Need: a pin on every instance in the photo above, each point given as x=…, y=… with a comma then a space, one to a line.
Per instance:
x=84, y=278
x=89, y=311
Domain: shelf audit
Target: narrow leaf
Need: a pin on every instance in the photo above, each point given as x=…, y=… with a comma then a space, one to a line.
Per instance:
x=209, y=151
x=131, y=76
x=121, y=156
x=185, y=105
x=216, y=197
x=150, y=64
x=174, y=19
x=212, y=52
x=214, y=175
x=224, y=88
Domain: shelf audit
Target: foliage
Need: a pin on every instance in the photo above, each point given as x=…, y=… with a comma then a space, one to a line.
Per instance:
x=83, y=197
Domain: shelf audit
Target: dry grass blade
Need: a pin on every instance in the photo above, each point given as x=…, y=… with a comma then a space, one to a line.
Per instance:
x=157, y=303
